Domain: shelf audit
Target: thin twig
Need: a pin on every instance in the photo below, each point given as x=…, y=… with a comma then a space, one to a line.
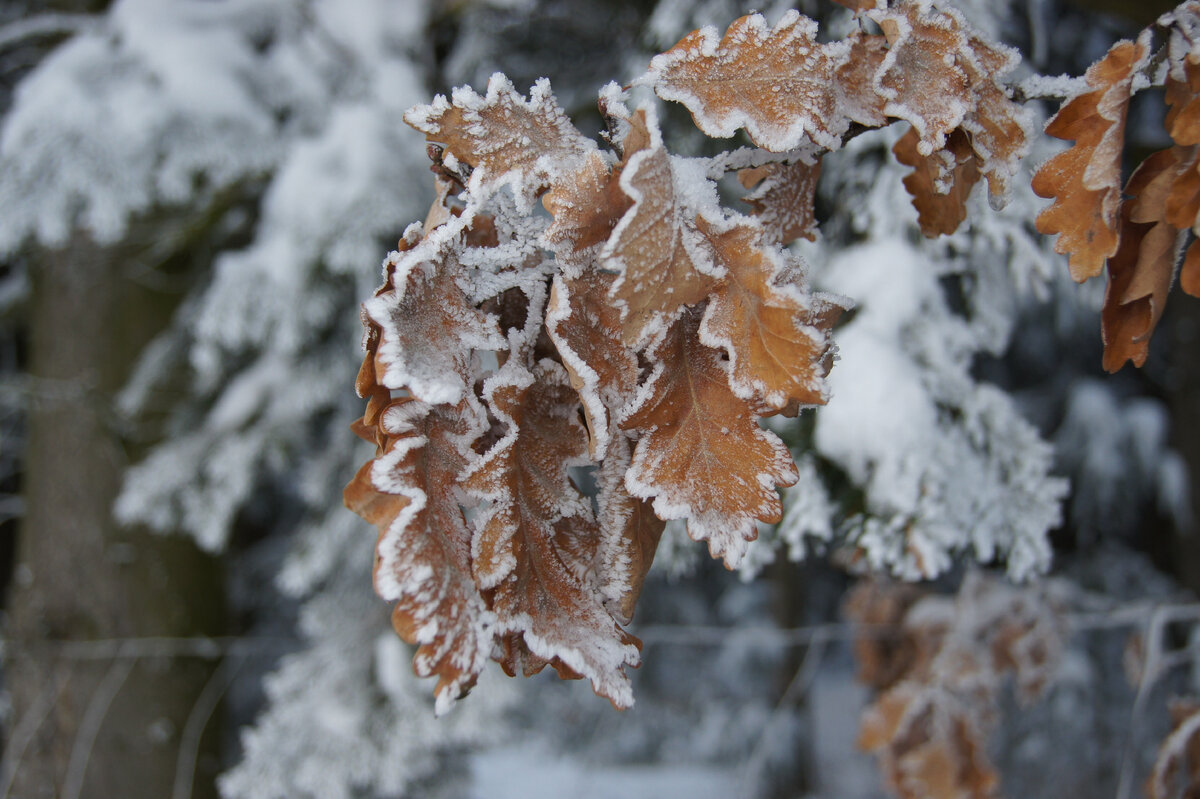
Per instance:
x=30, y=722
x=197, y=722
x=89, y=727
x=806, y=672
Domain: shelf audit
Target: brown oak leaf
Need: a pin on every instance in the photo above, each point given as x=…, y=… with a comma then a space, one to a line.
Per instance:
x=504, y=138
x=427, y=326
x=939, y=667
x=586, y=329
x=1085, y=180
x=939, y=183
x=858, y=98
x=701, y=455
x=587, y=207
x=776, y=82
x=661, y=260
x=782, y=199
x=547, y=613
x=1141, y=270
x=422, y=558
x=629, y=532
x=776, y=336
x=923, y=77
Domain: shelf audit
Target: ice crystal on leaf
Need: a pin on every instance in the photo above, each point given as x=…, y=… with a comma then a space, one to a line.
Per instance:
x=775, y=82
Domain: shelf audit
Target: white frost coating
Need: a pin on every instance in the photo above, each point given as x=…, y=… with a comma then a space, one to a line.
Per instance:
x=558, y=149
x=432, y=369
x=799, y=36
x=1055, y=87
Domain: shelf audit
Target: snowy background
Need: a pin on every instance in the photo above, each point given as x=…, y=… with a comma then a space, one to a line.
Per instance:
x=252, y=154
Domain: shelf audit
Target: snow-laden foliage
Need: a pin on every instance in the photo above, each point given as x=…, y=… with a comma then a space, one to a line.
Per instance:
x=946, y=463
x=346, y=717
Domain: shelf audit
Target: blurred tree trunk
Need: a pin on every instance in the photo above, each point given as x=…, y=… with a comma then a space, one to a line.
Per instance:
x=102, y=727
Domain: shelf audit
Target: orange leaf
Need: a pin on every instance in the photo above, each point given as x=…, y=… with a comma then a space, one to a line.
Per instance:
x=629, y=532
x=503, y=138
x=783, y=199
x=923, y=77
x=776, y=337
x=1085, y=181
x=427, y=325
x=702, y=455
x=776, y=82
x=661, y=260
x=586, y=329
x=1141, y=271
x=526, y=552
x=423, y=555
x=940, y=183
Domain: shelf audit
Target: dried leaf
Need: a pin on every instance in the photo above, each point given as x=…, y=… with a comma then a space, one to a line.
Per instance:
x=629, y=532
x=858, y=97
x=701, y=455
x=1141, y=271
x=586, y=329
x=940, y=183
x=423, y=555
x=1085, y=180
x=427, y=326
x=923, y=77
x=783, y=199
x=776, y=336
x=503, y=138
x=941, y=674
x=662, y=261
x=586, y=208
x=545, y=611
x=777, y=83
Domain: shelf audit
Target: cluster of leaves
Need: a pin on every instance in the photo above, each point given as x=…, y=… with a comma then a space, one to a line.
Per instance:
x=635, y=339
x=546, y=390
x=1140, y=230
x=937, y=665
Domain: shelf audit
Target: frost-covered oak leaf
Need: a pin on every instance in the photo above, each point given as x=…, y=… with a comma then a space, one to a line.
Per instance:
x=504, y=138
x=776, y=82
x=1141, y=270
x=661, y=260
x=701, y=455
x=1085, y=180
x=776, y=336
x=427, y=325
x=547, y=614
x=585, y=208
x=939, y=183
x=629, y=532
x=423, y=556
x=586, y=329
x=940, y=680
x=782, y=199
x=922, y=76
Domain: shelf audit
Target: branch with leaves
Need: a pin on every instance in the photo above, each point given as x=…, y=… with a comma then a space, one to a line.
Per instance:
x=545, y=391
